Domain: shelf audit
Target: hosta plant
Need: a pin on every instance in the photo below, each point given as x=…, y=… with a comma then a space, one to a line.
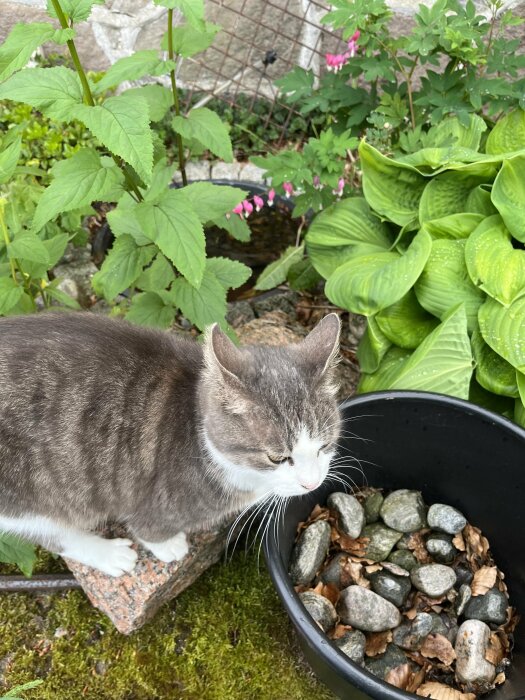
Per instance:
x=434, y=256
x=159, y=251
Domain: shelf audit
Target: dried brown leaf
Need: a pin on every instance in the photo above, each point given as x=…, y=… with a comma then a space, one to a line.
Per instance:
x=416, y=544
x=395, y=569
x=477, y=546
x=318, y=589
x=484, y=579
x=399, y=676
x=436, y=646
x=459, y=542
x=331, y=592
x=439, y=691
x=500, y=678
x=372, y=568
x=377, y=642
x=340, y=630
x=352, y=572
x=415, y=680
x=353, y=546
x=495, y=651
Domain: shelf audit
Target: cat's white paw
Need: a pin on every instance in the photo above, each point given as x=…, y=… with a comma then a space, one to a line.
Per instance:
x=170, y=550
x=113, y=557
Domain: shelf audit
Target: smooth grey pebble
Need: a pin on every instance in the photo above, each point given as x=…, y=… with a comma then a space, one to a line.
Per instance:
x=440, y=548
x=410, y=635
x=382, y=541
x=446, y=518
x=320, y=608
x=309, y=552
x=392, y=588
x=353, y=644
x=367, y=611
x=404, y=510
x=403, y=558
x=490, y=607
x=373, y=505
x=434, y=580
x=350, y=513
x=381, y=665
x=471, y=645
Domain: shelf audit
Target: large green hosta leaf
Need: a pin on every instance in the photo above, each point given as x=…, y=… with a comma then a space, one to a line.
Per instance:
x=519, y=409
x=508, y=135
x=446, y=194
x=452, y=131
x=344, y=230
x=490, y=401
x=493, y=372
x=445, y=281
x=428, y=160
x=493, y=264
x=372, y=347
x=504, y=330
x=370, y=283
x=508, y=195
x=480, y=202
x=442, y=363
x=391, y=188
x=405, y=323
x=454, y=226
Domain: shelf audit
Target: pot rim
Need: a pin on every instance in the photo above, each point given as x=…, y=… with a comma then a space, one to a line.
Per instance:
x=314, y=637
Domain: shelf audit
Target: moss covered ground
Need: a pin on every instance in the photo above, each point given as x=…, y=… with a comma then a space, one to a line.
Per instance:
x=225, y=638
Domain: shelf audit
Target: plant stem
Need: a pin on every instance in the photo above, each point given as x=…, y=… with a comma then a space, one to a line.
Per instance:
x=406, y=76
x=88, y=95
x=7, y=241
x=178, y=137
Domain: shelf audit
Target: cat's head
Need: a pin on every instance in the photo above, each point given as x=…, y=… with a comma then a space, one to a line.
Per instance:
x=269, y=414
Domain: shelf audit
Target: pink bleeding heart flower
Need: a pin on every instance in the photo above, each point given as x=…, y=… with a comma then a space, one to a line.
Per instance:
x=271, y=197
x=248, y=208
x=352, y=43
x=238, y=209
x=340, y=187
x=259, y=202
x=335, y=61
x=288, y=189
x=355, y=36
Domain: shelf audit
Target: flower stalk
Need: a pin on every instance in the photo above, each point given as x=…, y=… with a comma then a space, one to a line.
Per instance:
x=173, y=79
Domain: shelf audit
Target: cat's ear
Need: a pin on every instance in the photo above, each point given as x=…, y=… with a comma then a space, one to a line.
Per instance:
x=320, y=347
x=223, y=356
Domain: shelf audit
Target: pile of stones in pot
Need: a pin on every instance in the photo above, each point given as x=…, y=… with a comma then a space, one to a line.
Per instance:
x=410, y=593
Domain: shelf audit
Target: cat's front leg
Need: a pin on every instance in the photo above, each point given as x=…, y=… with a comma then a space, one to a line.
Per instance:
x=111, y=556
x=173, y=549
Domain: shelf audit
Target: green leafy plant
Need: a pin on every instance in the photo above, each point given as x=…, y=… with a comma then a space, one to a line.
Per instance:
x=392, y=90
x=159, y=251
x=434, y=256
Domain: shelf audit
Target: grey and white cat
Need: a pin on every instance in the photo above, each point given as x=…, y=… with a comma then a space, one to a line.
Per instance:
x=103, y=421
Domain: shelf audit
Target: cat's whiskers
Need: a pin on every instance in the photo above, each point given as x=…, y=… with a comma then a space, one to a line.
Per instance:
x=260, y=503
x=265, y=531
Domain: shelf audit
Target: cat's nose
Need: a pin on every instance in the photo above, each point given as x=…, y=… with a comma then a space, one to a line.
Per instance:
x=310, y=487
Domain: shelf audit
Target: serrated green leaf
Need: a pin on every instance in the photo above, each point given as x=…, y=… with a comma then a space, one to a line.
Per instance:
x=54, y=91
x=10, y=294
x=372, y=347
x=188, y=41
x=133, y=67
x=122, y=222
x=454, y=226
x=121, y=267
x=442, y=363
x=62, y=298
x=210, y=202
x=493, y=263
x=508, y=195
x=158, y=98
x=121, y=123
x=158, y=276
x=23, y=40
x=8, y=159
x=25, y=305
x=75, y=10
x=151, y=309
x=207, y=128
x=56, y=247
x=161, y=179
x=27, y=246
x=275, y=273
x=231, y=274
x=77, y=182
x=446, y=194
x=392, y=189
x=508, y=135
x=503, y=328
x=370, y=283
x=405, y=323
x=298, y=83
x=493, y=373
x=302, y=275
x=193, y=10
x=16, y=551
x=201, y=306
x=445, y=282
x=172, y=224
x=236, y=226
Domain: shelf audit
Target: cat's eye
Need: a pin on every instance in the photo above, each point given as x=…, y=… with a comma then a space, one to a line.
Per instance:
x=279, y=460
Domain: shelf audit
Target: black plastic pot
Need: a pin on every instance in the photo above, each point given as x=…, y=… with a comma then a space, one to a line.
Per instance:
x=455, y=453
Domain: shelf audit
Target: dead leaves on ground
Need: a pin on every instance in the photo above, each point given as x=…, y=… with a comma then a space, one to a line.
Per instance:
x=484, y=579
x=440, y=691
x=377, y=642
x=436, y=646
